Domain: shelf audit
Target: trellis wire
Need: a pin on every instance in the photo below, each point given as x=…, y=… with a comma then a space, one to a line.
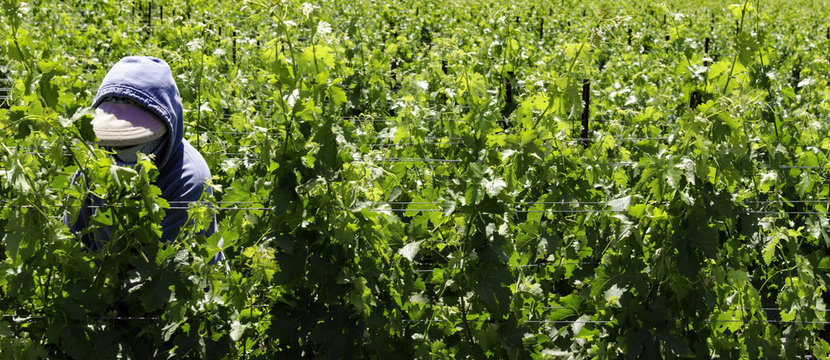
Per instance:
x=380, y=210
x=547, y=264
x=564, y=202
x=22, y=319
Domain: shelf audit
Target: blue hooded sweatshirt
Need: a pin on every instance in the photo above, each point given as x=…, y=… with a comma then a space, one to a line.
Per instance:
x=183, y=172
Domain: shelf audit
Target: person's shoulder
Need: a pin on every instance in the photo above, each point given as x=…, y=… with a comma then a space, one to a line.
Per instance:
x=185, y=173
x=193, y=157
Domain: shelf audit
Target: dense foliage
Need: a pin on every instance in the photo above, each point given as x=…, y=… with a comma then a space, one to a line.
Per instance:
x=423, y=179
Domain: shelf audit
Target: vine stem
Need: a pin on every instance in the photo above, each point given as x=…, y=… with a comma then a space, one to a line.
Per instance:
x=465, y=322
x=737, y=38
x=24, y=61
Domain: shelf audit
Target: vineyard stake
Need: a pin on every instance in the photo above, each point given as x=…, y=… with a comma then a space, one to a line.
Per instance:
x=161, y=13
x=694, y=99
x=797, y=76
x=393, y=66
x=508, y=93
x=706, y=51
x=149, y=19
x=586, y=99
x=541, y=28
x=444, y=69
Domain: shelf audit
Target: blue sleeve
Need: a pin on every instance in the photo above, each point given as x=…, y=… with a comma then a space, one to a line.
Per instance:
x=183, y=180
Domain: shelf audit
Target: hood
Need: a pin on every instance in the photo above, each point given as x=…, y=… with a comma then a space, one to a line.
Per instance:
x=149, y=82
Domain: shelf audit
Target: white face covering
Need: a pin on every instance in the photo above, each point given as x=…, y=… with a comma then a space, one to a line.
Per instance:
x=129, y=156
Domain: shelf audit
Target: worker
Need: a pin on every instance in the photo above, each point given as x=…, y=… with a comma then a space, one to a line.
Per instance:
x=138, y=109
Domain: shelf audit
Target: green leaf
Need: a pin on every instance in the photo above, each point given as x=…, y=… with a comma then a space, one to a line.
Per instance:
x=491, y=285
x=410, y=250
x=5, y=329
x=704, y=238
x=620, y=204
x=84, y=125
x=613, y=294
x=237, y=330
x=122, y=176
x=769, y=249
x=493, y=187
x=580, y=322
x=12, y=243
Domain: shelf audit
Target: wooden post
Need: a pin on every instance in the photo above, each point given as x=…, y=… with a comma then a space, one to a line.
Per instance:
x=149, y=20
x=797, y=77
x=706, y=51
x=444, y=69
x=393, y=65
x=694, y=99
x=234, y=47
x=508, y=90
x=586, y=100
x=509, y=104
